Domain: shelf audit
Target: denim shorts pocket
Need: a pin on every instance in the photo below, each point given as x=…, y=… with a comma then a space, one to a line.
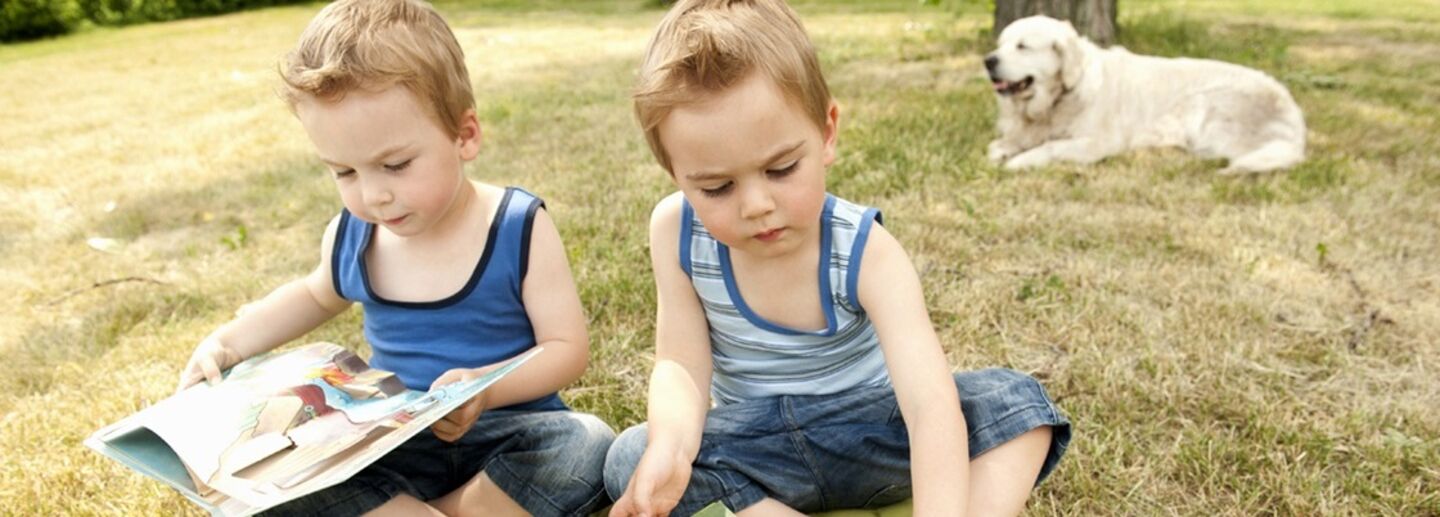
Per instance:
x=887, y=496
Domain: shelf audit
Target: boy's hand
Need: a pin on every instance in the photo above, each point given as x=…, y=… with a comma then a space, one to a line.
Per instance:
x=655, y=488
x=209, y=359
x=455, y=424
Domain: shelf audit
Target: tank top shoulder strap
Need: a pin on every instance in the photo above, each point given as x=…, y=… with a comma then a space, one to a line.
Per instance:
x=687, y=234
x=352, y=234
x=510, y=233
x=699, y=251
x=850, y=230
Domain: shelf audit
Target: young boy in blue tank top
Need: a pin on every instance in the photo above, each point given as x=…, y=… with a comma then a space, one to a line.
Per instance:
x=794, y=312
x=455, y=277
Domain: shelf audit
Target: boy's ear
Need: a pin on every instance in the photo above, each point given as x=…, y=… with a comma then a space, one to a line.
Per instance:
x=469, y=137
x=832, y=130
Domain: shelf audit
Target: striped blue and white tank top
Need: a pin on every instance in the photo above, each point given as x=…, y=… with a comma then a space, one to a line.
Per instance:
x=755, y=358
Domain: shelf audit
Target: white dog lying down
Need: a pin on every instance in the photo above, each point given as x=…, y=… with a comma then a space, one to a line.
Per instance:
x=1063, y=98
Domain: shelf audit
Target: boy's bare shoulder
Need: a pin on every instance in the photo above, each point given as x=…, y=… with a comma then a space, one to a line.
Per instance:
x=665, y=222
x=327, y=239
x=667, y=212
x=489, y=195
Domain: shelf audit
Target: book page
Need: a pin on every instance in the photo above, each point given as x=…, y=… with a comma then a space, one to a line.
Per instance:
x=281, y=426
x=285, y=481
x=209, y=427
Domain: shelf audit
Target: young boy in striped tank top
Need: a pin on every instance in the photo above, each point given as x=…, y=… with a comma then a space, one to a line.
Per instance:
x=793, y=312
x=455, y=277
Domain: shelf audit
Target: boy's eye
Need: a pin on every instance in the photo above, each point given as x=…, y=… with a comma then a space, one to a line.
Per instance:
x=783, y=171
x=400, y=166
x=717, y=191
x=343, y=173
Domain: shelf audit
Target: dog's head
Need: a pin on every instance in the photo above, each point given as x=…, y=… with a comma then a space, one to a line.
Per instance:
x=1038, y=55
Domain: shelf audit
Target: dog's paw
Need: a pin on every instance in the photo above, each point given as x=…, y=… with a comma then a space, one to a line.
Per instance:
x=1026, y=161
x=998, y=151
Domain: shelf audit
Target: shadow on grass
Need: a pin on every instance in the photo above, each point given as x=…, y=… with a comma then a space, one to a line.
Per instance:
x=294, y=189
x=1172, y=34
x=36, y=360
x=206, y=217
x=1313, y=178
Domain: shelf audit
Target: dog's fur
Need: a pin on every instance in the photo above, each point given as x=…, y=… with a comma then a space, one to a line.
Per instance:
x=1064, y=98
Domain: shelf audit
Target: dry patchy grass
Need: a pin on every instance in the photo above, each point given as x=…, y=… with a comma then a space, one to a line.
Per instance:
x=1260, y=345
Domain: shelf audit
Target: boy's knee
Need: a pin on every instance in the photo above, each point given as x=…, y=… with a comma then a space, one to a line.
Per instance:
x=585, y=440
x=572, y=442
x=594, y=433
x=622, y=459
x=557, y=467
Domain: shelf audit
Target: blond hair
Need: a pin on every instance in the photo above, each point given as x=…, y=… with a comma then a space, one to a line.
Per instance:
x=377, y=44
x=705, y=46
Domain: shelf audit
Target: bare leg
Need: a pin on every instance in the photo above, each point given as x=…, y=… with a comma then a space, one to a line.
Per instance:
x=1001, y=479
x=768, y=507
x=403, y=505
x=479, y=496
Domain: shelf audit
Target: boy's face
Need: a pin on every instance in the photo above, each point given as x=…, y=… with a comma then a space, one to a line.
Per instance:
x=394, y=165
x=753, y=166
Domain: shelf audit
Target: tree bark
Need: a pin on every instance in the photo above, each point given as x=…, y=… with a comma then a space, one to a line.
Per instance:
x=1095, y=19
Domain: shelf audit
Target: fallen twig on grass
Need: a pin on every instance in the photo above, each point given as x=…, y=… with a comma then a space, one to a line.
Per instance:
x=1369, y=314
x=104, y=283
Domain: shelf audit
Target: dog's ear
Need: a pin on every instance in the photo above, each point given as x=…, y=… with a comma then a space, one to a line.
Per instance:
x=1072, y=58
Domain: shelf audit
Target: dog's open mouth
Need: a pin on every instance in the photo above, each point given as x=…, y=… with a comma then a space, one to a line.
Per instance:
x=1012, y=88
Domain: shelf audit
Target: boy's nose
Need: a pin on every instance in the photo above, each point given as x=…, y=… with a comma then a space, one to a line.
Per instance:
x=756, y=202
x=375, y=193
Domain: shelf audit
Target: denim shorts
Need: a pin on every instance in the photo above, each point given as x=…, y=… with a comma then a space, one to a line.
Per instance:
x=847, y=450
x=550, y=462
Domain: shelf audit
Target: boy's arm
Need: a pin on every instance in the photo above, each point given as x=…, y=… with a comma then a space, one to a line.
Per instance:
x=286, y=313
x=680, y=384
x=891, y=293
x=553, y=306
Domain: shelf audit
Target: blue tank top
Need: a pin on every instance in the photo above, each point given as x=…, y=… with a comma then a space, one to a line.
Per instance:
x=755, y=358
x=483, y=323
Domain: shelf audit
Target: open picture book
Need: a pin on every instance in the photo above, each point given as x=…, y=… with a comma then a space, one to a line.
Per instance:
x=280, y=426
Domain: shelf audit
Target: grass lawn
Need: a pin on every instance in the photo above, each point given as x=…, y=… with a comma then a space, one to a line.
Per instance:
x=1225, y=346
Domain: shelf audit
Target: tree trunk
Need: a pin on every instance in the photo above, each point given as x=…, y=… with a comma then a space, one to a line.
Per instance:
x=1095, y=19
